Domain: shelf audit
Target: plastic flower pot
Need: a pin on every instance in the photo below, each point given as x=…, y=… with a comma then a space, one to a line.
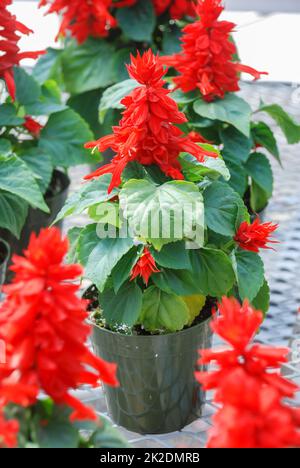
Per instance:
x=37, y=219
x=158, y=392
x=4, y=256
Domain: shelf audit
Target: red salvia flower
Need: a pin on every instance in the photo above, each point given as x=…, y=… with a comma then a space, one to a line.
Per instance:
x=42, y=324
x=10, y=52
x=248, y=385
x=144, y=267
x=8, y=432
x=32, y=126
x=255, y=236
x=147, y=133
x=206, y=61
x=85, y=18
x=177, y=8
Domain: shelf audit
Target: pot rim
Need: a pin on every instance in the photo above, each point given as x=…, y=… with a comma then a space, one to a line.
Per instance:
x=7, y=248
x=151, y=337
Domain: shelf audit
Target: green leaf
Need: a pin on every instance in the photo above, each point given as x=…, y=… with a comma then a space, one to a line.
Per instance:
x=157, y=212
x=88, y=66
x=86, y=105
x=249, y=270
x=58, y=432
x=232, y=109
x=236, y=144
x=27, y=88
x=111, y=98
x=263, y=135
x=48, y=102
x=258, y=198
x=124, y=307
x=13, y=213
x=48, y=66
x=213, y=270
x=180, y=282
x=290, y=129
x=138, y=22
x=121, y=58
x=259, y=169
x=73, y=237
x=174, y=255
x=239, y=178
x=64, y=137
x=9, y=117
x=262, y=300
x=17, y=178
x=163, y=311
x=171, y=40
x=40, y=163
x=186, y=98
x=100, y=256
x=90, y=194
x=221, y=206
x=106, y=213
x=123, y=268
x=107, y=437
x=5, y=147
x=213, y=168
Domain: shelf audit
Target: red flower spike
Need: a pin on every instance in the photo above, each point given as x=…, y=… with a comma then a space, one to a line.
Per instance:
x=248, y=385
x=10, y=35
x=42, y=321
x=177, y=8
x=255, y=236
x=206, y=61
x=85, y=18
x=147, y=133
x=144, y=267
x=33, y=126
x=8, y=432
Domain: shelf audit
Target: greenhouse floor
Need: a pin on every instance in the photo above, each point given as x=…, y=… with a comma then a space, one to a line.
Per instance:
x=282, y=326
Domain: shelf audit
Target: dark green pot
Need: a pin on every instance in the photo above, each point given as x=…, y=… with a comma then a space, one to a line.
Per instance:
x=37, y=219
x=158, y=392
x=4, y=256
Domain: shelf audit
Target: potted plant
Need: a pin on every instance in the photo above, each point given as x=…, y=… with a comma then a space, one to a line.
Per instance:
x=97, y=38
x=207, y=79
x=40, y=138
x=164, y=243
x=44, y=332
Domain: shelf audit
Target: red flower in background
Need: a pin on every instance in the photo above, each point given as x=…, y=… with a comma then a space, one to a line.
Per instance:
x=42, y=324
x=33, y=126
x=147, y=133
x=10, y=30
x=178, y=8
x=248, y=385
x=206, y=61
x=255, y=236
x=8, y=432
x=85, y=18
x=144, y=267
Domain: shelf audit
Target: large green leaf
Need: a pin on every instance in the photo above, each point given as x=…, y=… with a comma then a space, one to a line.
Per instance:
x=262, y=300
x=86, y=105
x=249, y=270
x=28, y=89
x=238, y=177
x=64, y=137
x=88, y=66
x=174, y=255
x=13, y=212
x=290, y=129
x=221, y=206
x=123, y=268
x=232, y=109
x=171, y=211
x=263, y=135
x=48, y=102
x=40, y=163
x=9, y=116
x=138, y=21
x=5, y=147
x=236, y=144
x=73, y=237
x=259, y=169
x=163, y=311
x=258, y=198
x=100, y=256
x=171, y=40
x=123, y=307
x=213, y=270
x=17, y=178
x=180, y=282
x=213, y=168
x=111, y=98
x=89, y=194
x=48, y=66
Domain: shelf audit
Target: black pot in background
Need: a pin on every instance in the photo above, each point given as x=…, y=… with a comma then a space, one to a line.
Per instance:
x=158, y=392
x=4, y=256
x=37, y=219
